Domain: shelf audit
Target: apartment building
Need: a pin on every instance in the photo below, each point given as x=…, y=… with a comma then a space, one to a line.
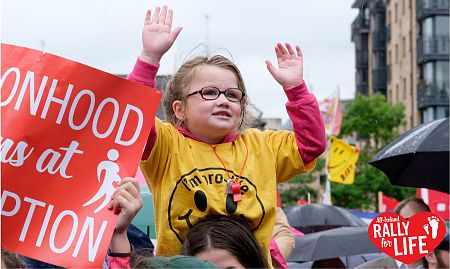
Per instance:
x=369, y=36
x=416, y=54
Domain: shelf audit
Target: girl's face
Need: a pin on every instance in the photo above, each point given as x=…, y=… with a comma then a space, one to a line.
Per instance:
x=220, y=257
x=210, y=120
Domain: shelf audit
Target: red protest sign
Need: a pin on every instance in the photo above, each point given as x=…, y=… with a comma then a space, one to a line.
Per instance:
x=69, y=134
x=407, y=240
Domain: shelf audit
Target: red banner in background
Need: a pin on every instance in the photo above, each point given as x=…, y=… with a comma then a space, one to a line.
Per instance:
x=69, y=133
x=438, y=202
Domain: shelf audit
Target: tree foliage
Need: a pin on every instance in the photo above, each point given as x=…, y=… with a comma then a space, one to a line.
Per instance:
x=374, y=121
x=372, y=118
x=299, y=186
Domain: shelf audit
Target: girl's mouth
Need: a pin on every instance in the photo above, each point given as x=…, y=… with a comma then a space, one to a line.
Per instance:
x=222, y=113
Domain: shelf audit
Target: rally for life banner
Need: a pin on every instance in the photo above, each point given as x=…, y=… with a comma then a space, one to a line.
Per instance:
x=69, y=133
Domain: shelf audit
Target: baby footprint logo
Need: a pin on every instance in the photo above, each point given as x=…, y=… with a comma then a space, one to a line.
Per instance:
x=433, y=222
x=109, y=170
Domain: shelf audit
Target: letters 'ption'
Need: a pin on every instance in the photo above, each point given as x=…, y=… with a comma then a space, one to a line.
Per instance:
x=87, y=226
x=85, y=96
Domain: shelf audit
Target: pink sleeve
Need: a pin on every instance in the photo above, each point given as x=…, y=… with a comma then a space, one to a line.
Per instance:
x=118, y=262
x=307, y=122
x=145, y=73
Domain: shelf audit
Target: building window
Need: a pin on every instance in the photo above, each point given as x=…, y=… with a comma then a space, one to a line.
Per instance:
x=442, y=77
x=403, y=6
x=395, y=12
x=404, y=88
x=428, y=73
x=442, y=26
x=434, y=113
x=404, y=46
x=396, y=53
x=396, y=93
x=435, y=26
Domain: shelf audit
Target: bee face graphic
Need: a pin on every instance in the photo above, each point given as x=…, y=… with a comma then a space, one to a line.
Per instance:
x=203, y=191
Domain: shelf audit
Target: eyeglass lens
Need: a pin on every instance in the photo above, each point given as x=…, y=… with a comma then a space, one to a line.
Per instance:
x=212, y=93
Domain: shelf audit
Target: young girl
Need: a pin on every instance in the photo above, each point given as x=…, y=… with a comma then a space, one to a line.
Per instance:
x=203, y=161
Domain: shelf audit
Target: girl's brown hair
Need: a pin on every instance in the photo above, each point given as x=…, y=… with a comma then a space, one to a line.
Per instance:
x=176, y=88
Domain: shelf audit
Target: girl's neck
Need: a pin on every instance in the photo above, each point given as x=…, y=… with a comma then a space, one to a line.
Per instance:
x=212, y=141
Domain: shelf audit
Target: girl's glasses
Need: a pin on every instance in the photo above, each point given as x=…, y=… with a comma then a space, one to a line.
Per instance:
x=212, y=93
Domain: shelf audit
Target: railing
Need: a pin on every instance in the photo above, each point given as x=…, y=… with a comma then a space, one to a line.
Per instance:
x=362, y=89
x=360, y=23
x=379, y=40
x=379, y=79
x=432, y=95
x=432, y=48
x=426, y=8
x=362, y=59
x=378, y=7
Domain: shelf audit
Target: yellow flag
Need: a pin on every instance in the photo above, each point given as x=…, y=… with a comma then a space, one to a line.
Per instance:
x=342, y=164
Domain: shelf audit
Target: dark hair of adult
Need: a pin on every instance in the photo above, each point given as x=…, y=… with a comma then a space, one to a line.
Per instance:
x=418, y=201
x=12, y=260
x=225, y=232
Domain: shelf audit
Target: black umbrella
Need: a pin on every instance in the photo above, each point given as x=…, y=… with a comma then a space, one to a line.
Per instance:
x=318, y=217
x=418, y=158
x=339, y=242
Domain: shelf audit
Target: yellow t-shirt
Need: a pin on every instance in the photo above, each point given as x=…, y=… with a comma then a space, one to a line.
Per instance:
x=188, y=181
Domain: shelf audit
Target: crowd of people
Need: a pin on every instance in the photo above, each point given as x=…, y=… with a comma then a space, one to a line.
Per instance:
x=213, y=179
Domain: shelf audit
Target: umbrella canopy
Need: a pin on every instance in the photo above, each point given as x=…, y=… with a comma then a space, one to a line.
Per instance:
x=320, y=217
x=339, y=242
x=418, y=158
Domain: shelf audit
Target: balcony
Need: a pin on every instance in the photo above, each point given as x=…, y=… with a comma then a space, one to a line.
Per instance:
x=362, y=89
x=379, y=40
x=388, y=73
x=426, y=8
x=379, y=80
x=360, y=25
x=362, y=59
x=432, y=48
x=378, y=7
x=431, y=95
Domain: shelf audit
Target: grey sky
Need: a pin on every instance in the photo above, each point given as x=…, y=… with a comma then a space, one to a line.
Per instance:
x=106, y=34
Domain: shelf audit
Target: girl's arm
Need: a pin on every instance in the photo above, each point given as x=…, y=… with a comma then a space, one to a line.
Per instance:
x=157, y=38
x=126, y=202
x=302, y=106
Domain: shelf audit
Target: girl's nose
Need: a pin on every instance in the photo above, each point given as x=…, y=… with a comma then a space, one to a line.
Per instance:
x=222, y=100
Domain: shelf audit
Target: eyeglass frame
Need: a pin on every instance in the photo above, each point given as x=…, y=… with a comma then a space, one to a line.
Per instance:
x=220, y=92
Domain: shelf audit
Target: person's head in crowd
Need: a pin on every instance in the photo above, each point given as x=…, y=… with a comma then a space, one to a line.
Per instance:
x=328, y=263
x=226, y=241
x=439, y=257
x=11, y=260
x=179, y=261
x=411, y=206
x=408, y=208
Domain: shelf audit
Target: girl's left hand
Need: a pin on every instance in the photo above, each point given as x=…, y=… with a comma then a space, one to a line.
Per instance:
x=290, y=65
x=126, y=201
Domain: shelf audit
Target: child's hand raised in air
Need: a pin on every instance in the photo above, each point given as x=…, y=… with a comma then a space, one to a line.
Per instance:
x=157, y=35
x=290, y=65
x=126, y=202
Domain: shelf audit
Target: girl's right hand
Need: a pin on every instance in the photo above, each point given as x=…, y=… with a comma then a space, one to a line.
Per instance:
x=157, y=35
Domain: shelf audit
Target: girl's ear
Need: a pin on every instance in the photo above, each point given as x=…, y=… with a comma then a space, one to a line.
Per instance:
x=178, y=109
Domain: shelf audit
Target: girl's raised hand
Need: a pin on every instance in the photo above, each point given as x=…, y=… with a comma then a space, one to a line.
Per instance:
x=126, y=202
x=157, y=35
x=290, y=65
